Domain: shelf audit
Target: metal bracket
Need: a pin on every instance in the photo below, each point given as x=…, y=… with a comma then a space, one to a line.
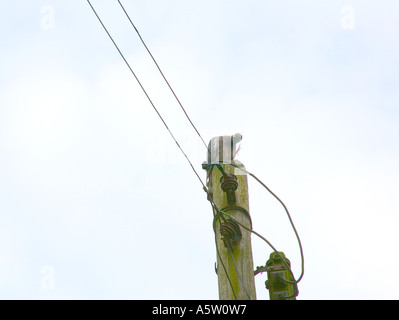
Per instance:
x=260, y=270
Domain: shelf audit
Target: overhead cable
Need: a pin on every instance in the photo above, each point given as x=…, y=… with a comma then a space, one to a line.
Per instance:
x=287, y=212
x=146, y=94
x=159, y=68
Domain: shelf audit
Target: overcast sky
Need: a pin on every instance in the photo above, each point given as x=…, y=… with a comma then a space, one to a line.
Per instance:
x=96, y=201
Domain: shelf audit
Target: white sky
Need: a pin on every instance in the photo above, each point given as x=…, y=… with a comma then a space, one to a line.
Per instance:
x=96, y=201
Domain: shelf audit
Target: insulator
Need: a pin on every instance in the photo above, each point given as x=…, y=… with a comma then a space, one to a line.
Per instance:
x=229, y=185
x=280, y=283
x=231, y=233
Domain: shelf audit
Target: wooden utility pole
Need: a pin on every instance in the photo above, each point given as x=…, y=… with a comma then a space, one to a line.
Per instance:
x=236, y=278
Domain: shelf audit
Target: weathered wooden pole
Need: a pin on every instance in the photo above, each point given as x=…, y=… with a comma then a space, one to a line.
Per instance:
x=228, y=188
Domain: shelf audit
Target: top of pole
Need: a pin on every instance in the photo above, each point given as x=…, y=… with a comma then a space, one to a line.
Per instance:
x=223, y=149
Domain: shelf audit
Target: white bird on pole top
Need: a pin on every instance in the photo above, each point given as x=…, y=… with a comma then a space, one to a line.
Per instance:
x=223, y=149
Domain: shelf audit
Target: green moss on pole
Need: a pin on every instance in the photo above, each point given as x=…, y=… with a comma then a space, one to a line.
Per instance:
x=242, y=281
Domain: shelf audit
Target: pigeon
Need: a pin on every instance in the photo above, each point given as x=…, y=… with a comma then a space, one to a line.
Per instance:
x=223, y=149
